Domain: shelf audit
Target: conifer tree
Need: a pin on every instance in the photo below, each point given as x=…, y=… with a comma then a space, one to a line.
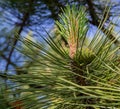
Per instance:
x=81, y=74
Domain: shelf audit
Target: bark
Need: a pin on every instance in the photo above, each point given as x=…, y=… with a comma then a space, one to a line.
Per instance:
x=26, y=16
x=22, y=25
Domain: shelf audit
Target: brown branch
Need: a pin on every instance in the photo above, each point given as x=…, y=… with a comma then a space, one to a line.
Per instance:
x=92, y=12
x=26, y=16
x=22, y=25
x=4, y=57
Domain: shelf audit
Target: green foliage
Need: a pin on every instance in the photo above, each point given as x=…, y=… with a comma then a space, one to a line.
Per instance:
x=78, y=75
x=73, y=23
x=3, y=100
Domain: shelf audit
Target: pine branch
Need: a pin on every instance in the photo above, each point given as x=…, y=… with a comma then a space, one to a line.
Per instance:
x=95, y=21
